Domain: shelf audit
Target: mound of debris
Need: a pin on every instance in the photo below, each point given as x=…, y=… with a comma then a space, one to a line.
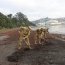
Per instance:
x=14, y=57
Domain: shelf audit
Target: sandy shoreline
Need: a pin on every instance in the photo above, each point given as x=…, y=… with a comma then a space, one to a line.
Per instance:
x=51, y=53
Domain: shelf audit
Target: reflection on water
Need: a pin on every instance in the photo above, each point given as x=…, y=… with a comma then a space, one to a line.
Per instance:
x=58, y=29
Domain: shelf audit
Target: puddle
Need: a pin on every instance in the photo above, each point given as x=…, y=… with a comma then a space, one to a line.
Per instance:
x=3, y=37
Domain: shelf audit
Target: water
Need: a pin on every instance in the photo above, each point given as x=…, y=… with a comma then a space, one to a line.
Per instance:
x=57, y=29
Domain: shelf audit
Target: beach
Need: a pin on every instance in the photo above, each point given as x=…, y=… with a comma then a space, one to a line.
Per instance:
x=51, y=53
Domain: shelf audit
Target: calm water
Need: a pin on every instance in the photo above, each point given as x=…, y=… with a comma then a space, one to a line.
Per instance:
x=58, y=29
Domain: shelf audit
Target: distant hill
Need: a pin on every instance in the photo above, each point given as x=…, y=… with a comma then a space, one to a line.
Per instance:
x=42, y=20
x=60, y=19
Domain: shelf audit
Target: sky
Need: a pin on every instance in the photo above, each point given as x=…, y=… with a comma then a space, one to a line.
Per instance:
x=34, y=9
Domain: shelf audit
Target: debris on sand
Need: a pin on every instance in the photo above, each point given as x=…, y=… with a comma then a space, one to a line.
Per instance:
x=14, y=57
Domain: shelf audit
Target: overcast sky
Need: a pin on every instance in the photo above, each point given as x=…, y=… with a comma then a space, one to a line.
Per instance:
x=34, y=9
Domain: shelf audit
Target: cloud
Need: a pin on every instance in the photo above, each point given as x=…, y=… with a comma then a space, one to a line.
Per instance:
x=34, y=9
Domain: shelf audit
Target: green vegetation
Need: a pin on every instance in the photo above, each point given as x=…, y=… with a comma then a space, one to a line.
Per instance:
x=10, y=21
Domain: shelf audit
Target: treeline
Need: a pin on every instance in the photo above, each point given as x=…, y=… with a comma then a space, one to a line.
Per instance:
x=10, y=21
